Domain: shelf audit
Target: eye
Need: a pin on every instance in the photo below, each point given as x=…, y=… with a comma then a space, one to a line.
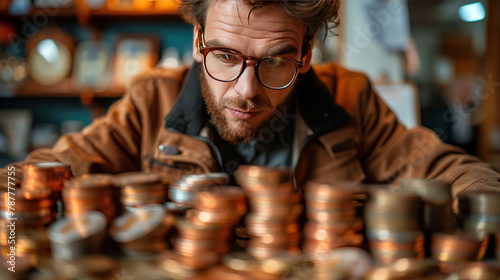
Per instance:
x=227, y=57
x=274, y=61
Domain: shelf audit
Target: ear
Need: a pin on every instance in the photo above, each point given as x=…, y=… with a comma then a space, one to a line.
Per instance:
x=307, y=62
x=198, y=57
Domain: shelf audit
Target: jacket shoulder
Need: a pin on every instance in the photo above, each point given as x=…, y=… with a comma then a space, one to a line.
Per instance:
x=345, y=85
x=157, y=87
x=157, y=78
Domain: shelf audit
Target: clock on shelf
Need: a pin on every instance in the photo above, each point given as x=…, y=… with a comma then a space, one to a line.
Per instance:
x=50, y=57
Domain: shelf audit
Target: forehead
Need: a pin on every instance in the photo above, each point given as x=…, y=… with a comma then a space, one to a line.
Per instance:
x=235, y=21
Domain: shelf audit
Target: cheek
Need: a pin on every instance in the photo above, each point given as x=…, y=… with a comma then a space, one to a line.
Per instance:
x=277, y=97
x=218, y=90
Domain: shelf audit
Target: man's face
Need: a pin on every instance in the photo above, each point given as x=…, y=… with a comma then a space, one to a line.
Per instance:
x=238, y=109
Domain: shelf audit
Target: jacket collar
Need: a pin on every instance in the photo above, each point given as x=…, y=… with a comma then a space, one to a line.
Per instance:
x=316, y=105
x=189, y=113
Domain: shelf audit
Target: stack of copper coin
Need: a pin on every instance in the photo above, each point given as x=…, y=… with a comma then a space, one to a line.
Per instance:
x=140, y=188
x=142, y=231
x=242, y=266
x=436, y=195
x=471, y=270
x=238, y=266
x=75, y=237
x=405, y=269
x=171, y=262
x=91, y=266
x=275, y=208
x=51, y=175
x=458, y=247
x=90, y=193
x=393, y=224
x=331, y=215
x=219, y=205
x=24, y=216
x=184, y=191
x=287, y=265
x=208, y=226
x=29, y=208
x=477, y=270
x=481, y=211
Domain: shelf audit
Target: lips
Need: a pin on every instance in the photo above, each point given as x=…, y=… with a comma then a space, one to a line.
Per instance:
x=243, y=115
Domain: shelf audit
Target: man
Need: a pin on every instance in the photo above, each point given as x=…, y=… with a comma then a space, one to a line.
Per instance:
x=253, y=98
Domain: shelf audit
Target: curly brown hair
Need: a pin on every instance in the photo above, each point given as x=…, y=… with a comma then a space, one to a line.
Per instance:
x=314, y=13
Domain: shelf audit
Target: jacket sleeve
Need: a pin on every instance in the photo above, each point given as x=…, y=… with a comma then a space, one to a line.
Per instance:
x=391, y=152
x=109, y=145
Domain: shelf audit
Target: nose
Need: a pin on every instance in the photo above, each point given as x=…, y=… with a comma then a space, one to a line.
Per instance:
x=247, y=85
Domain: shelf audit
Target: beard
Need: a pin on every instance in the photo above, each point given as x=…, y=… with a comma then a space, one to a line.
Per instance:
x=245, y=131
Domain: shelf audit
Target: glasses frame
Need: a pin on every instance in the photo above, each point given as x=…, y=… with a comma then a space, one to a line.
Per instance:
x=205, y=50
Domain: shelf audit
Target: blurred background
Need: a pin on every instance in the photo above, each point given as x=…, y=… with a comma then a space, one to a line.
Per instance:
x=64, y=62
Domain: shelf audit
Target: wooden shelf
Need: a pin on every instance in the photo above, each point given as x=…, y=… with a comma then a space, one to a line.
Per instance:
x=63, y=14
x=86, y=16
x=65, y=89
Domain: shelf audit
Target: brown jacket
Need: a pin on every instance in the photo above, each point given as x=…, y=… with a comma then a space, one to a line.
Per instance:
x=345, y=132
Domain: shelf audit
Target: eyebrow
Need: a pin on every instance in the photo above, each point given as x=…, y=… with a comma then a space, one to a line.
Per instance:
x=281, y=50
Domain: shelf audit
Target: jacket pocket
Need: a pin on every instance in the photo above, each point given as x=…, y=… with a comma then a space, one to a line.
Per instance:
x=173, y=168
x=176, y=155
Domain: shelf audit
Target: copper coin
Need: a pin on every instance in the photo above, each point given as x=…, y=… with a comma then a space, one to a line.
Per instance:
x=144, y=223
x=261, y=174
x=45, y=174
x=136, y=179
x=222, y=198
x=325, y=216
x=431, y=190
x=458, y=247
x=320, y=203
x=272, y=190
x=207, y=179
x=212, y=217
x=480, y=202
x=90, y=181
x=335, y=190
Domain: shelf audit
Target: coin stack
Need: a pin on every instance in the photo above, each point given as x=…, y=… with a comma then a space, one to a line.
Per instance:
x=207, y=228
x=140, y=188
x=471, y=270
x=141, y=232
x=332, y=221
x=238, y=265
x=478, y=270
x=91, y=266
x=437, y=208
x=87, y=193
x=51, y=175
x=275, y=208
x=25, y=213
x=405, y=269
x=393, y=224
x=75, y=237
x=287, y=265
x=459, y=246
x=184, y=191
x=481, y=211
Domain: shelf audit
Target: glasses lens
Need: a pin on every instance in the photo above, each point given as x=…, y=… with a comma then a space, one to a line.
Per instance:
x=223, y=64
x=276, y=72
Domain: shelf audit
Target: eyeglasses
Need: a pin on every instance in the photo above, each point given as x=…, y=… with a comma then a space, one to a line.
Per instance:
x=226, y=65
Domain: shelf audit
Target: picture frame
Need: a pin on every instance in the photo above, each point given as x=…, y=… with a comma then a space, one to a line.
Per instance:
x=133, y=54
